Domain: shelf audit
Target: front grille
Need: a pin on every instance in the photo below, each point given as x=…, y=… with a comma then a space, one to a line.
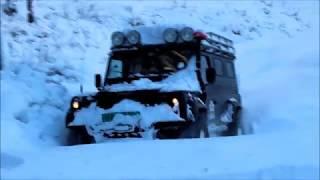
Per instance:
x=123, y=135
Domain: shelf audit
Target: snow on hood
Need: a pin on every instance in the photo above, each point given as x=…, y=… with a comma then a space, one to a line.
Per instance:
x=184, y=80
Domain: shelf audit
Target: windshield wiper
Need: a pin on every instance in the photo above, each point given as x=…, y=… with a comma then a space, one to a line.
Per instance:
x=148, y=75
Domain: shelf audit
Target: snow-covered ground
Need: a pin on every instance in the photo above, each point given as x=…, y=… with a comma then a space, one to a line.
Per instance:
x=264, y=156
x=277, y=44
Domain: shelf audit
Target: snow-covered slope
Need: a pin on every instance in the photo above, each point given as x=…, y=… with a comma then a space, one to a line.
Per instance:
x=277, y=46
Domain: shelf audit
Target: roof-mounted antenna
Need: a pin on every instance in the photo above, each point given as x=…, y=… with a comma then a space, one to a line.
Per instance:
x=81, y=89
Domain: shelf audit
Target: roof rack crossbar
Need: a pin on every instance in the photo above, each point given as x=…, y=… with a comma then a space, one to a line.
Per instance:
x=220, y=43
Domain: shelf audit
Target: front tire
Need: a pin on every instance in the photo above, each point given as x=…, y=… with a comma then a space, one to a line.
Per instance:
x=202, y=130
x=79, y=136
x=197, y=129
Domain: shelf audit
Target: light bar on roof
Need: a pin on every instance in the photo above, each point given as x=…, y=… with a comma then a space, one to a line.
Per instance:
x=117, y=38
x=186, y=34
x=170, y=35
x=133, y=37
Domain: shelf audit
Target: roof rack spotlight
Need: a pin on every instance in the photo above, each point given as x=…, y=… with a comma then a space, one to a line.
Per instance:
x=186, y=34
x=170, y=35
x=133, y=37
x=117, y=38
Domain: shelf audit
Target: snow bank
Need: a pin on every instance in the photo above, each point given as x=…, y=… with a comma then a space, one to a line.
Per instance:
x=267, y=156
x=280, y=90
x=45, y=63
x=69, y=44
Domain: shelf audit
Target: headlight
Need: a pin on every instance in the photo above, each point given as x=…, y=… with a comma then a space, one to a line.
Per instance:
x=175, y=107
x=117, y=38
x=75, y=105
x=186, y=34
x=175, y=101
x=170, y=35
x=133, y=37
x=181, y=65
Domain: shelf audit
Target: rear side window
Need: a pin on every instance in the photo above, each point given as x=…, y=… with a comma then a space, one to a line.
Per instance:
x=203, y=66
x=218, y=66
x=229, y=69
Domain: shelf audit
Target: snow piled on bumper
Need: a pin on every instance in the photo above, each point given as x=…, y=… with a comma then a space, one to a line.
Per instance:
x=92, y=117
x=149, y=114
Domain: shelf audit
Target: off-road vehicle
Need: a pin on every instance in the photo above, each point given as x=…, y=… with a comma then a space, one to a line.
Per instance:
x=161, y=83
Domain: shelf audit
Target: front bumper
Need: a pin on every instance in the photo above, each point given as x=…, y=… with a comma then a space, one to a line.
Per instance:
x=104, y=103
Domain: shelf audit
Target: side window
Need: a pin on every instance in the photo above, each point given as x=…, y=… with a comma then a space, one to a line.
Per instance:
x=135, y=68
x=229, y=69
x=115, y=69
x=218, y=66
x=203, y=67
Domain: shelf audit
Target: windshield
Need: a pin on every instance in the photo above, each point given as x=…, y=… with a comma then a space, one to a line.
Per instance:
x=135, y=64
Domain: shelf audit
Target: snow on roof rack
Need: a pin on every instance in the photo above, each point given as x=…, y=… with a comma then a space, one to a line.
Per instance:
x=219, y=44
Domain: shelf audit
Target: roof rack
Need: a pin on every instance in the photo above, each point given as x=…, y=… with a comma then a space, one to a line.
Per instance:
x=219, y=44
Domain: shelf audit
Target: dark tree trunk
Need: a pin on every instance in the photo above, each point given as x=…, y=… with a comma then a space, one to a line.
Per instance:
x=30, y=11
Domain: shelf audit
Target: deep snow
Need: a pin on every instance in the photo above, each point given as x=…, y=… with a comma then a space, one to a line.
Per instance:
x=277, y=46
x=263, y=156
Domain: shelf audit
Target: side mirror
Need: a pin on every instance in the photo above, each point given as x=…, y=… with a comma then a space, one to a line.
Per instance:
x=211, y=75
x=98, y=81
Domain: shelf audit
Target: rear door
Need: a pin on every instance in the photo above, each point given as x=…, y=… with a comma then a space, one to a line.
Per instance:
x=225, y=85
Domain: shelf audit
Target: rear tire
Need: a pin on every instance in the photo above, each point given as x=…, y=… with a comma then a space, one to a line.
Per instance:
x=232, y=129
x=235, y=125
